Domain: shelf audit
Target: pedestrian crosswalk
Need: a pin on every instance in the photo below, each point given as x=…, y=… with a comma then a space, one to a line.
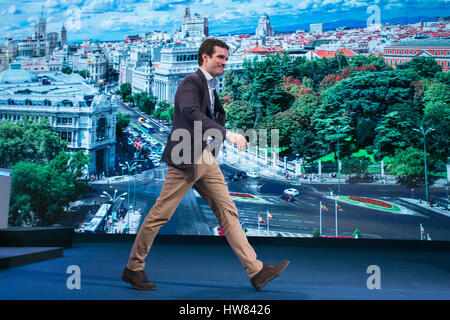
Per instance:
x=150, y=175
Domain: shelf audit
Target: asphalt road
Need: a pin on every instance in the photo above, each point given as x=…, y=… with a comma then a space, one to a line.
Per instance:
x=303, y=214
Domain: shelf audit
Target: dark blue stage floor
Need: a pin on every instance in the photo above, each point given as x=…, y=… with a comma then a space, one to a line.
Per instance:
x=209, y=270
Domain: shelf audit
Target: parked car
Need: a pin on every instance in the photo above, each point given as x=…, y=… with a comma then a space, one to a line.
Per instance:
x=242, y=174
x=253, y=174
x=287, y=197
x=292, y=192
x=233, y=177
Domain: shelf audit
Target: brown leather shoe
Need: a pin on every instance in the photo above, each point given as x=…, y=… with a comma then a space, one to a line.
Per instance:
x=137, y=279
x=267, y=273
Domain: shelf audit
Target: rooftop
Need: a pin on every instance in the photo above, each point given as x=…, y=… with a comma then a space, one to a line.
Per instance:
x=423, y=43
x=16, y=76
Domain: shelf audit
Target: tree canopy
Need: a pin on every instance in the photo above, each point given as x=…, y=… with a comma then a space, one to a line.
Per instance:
x=375, y=107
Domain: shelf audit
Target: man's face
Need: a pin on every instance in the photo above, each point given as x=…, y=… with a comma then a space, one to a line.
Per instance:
x=216, y=63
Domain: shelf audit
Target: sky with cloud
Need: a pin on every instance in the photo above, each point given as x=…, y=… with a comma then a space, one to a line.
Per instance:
x=114, y=19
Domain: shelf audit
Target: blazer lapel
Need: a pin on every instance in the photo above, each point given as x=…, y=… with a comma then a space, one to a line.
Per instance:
x=206, y=92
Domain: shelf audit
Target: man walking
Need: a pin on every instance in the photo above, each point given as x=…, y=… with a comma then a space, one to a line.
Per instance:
x=192, y=163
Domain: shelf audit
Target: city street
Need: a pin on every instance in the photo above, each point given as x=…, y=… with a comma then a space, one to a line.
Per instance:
x=194, y=216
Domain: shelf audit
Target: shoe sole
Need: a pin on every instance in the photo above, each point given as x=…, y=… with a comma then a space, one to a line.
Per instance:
x=269, y=279
x=143, y=289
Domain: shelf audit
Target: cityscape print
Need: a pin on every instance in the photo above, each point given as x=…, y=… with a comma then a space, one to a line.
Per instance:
x=345, y=104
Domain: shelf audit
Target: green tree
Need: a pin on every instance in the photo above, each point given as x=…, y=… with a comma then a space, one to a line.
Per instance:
x=361, y=101
x=437, y=116
x=231, y=83
x=408, y=162
x=426, y=67
x=305, y=143
x=358, y=166
x=66, y=70
x=265, y=91
x=167, y=113
x=315, y=70
x=145, y=102
x=28, y=141
x=240, y=115
x=122, y=121
x=437, y=92
x=394, y=131
x=160, y=108
x=362, y=60
x=443, y=77
x=84, y=73
x=148, y=104
x=309, y=104
x=287, y=123
x=125, y=90
x=42, y=191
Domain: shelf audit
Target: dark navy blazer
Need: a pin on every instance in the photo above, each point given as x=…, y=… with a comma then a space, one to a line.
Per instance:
x=192, y=103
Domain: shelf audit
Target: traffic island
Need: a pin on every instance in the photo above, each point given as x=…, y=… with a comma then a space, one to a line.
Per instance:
x=375, y=204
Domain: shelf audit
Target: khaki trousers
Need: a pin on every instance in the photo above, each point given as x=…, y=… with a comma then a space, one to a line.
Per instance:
x=207, y=178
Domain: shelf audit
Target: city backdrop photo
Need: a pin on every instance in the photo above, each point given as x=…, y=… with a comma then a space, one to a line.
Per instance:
x=345, y=105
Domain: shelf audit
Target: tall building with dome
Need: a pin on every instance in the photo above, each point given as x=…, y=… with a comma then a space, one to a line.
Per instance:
x=74, y=109
x=264, y=28
x=41, y=43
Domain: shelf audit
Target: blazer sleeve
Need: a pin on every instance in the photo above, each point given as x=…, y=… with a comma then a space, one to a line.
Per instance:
x=189, y=94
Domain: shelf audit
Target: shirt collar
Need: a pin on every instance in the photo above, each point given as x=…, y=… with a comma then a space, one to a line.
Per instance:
x=212, y=81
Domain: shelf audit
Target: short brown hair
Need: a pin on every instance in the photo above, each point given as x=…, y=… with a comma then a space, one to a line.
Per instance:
x=208, y=47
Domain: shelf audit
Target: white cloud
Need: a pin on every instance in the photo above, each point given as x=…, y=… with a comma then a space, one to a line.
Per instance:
x=227, y=15
x=102, y=6
x=391, y=6
x=13, y=10
x=305, y=4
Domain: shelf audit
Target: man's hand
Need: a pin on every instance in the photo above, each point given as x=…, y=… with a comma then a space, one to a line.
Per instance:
x=238, y=140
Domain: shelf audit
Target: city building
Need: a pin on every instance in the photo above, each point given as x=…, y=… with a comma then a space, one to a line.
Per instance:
x=264, y=28
x=320, y=54
x=52, y=41
x=75, y=110
x=156, y=36
x=96, y=66
x=41, y=43
x=194, y=26
x=180, y=60
x=316, y=28
x=39, y=64
x=264, y=50
x=133, y=38
x=177, y=62
x=135, y=57
x=404, y=51
x=142, y=80
x=3, y=59
x=63, y=40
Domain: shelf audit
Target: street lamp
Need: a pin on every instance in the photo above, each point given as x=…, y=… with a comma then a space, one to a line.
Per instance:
x=130, y=168
x=424, y=133
x=338, y=129
x=113, y=198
